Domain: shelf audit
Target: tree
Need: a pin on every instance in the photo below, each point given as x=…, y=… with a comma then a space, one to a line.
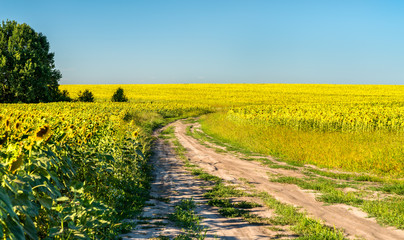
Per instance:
x=119, y=96
x=86, y=96
x=27, y=68
x=64, y=96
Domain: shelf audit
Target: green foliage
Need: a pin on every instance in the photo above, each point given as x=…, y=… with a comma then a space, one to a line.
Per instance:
x=27, y=68
x=119, y=96
x=85, y=96
x=76, y=178
x=74, y=170
x=64, y=96
x=185, y=217
x=397, y=188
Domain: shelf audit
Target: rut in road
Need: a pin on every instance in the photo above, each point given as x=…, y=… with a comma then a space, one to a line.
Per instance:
x=229, y=167
x=172, y=183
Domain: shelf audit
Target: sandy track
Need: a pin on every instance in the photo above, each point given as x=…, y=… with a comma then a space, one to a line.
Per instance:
x=172, y=183
x=229, y=167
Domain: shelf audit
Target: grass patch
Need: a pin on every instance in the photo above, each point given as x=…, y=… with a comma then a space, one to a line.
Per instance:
x=205, y=176
x=234, y=210
x=393, y=188
x=185, y=217
x=306, y=227
x=247, y=205
x=389, y=211
x=347, y=176
x=167, y=133
x=220, y=189
x=184, y=214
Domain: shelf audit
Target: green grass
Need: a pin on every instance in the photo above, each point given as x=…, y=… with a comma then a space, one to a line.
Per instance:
x=389, y=211
x=167, y=133
x=185, y=217
x=184, y=214
x=204, y=176
x=397, y=188
x=306, y=227
x=347, y=176
x=224, y=191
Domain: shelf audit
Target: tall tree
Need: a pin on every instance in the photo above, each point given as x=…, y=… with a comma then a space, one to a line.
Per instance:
x=27, y=68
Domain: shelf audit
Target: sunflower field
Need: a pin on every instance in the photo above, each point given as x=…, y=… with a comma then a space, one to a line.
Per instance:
x=75, y=170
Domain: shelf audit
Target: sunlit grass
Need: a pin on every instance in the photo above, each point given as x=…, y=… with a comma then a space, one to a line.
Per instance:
x=378, y=153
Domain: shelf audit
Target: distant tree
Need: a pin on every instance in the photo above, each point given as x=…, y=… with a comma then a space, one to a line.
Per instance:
x=85, y=96
x=119, y=96
x=27, y=68
x=64, y=96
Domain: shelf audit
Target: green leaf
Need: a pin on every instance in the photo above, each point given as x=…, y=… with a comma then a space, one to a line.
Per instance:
x=8, y=184
x=29, y=228
x=79, y=235
x=46, y=202
x=16, y=163
x=15, y=228
x=1, y=232
x=62, y=199
x=5, y=203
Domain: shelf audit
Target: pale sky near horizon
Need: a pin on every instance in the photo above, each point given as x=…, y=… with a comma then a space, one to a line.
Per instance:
x=220, y=41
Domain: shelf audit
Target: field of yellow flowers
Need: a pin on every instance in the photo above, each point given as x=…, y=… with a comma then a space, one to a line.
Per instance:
x=347, y=127
x=75, y=170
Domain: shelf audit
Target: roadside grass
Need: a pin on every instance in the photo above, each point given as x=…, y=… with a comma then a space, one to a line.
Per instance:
x=220, y=195
x=347, y=176
x=387, y=211
x=397, y=188
x=202, y=137
x=167, y=133
x=307, y=228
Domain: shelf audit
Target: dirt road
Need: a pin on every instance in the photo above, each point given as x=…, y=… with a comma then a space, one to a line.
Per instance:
x=226, y=166
x=174, y=183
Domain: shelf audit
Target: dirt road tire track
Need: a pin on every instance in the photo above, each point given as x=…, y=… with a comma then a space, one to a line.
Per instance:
x=229, y=167
x=172, y=182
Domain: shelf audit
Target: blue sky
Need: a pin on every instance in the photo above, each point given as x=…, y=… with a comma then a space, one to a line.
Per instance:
x=220, y=41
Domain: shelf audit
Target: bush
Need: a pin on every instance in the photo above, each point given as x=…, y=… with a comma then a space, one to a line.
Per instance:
x=119, y=96
x=63, y=96
x=86, y=96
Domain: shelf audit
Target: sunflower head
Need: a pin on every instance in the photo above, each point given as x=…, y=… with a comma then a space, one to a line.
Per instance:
x=135, y=134
x=43, y=133
x=17, y=125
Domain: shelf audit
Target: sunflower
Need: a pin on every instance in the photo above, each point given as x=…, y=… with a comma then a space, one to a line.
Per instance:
x=43, y=133
x=8, y=123
x=17, y=125
x=135, y=134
